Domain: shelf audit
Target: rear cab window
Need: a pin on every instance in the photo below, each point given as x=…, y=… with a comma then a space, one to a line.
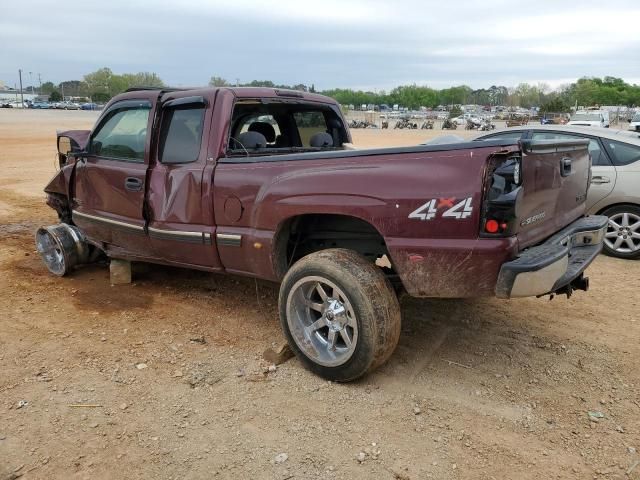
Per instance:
x=271, y=127
x=309, y=123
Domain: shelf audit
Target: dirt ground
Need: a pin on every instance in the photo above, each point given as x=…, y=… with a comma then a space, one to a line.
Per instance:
x=169, y=372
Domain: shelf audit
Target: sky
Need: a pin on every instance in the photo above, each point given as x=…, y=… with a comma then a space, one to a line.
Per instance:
x=374, y=45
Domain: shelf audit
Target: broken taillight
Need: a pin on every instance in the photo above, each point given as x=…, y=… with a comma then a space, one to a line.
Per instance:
x=502, y=195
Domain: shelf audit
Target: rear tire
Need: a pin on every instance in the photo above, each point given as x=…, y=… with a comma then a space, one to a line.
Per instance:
x=622, y=239
x=339, y=314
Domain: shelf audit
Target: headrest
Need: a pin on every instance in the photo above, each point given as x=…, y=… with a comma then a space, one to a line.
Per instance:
x=321, y=139
x=251, y=140
x=334, y=123
x=265, y=129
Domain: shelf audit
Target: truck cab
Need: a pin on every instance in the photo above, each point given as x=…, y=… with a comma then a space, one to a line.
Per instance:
x=590, y=118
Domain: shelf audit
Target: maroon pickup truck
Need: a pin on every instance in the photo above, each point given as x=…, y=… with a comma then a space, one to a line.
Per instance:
x=265, y=183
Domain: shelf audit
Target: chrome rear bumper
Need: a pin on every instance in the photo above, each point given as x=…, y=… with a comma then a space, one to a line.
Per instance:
x=557, y=265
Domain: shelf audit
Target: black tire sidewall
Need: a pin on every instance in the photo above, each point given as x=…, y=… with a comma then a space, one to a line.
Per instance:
x=364, y=354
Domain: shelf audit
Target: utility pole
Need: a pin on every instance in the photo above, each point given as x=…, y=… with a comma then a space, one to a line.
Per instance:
x=21, y=95
x=40, y=82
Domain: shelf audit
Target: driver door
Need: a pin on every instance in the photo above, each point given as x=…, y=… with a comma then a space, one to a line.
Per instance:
x=110, y=179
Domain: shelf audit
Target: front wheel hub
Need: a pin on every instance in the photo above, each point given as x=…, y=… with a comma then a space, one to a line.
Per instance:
x=61, y=247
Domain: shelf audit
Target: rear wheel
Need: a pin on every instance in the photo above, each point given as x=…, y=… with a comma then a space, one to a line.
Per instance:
x=339, y=313
x=622, y=239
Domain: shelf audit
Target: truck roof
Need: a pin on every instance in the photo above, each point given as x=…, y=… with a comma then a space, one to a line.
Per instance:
x=246, y=92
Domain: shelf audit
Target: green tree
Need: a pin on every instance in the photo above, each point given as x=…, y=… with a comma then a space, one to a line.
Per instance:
x=140, y=79
x=74, y=88
x=555, y=105
x=218, y=82
x=47, y=88
x=100, y=97
x=106, y=84
x=55, y=96
x=98, y=81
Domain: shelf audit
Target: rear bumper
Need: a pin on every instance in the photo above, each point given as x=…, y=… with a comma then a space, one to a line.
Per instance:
x=557, y=265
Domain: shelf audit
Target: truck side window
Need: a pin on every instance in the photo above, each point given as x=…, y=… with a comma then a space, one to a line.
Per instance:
x=122, y=135
x=181, y=134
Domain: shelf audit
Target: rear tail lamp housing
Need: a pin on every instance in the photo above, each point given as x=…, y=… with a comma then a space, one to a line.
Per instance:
x=502, y=196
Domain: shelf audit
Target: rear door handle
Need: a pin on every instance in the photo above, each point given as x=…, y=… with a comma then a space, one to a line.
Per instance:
x=133, y=184
x=565, y=166
x=598, y=180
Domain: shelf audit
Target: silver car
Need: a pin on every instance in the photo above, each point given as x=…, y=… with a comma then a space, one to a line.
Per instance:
x=615, y=184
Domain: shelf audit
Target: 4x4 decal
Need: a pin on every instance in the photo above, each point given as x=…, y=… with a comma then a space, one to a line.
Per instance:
x=429, y=210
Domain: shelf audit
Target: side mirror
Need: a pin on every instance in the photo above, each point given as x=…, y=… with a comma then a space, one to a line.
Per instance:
x=64, y=145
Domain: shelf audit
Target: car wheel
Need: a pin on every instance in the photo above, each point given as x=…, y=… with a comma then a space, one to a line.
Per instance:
x=622, y=239
x=339, y=313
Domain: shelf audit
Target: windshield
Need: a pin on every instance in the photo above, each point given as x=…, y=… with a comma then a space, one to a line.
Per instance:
x=591, y=117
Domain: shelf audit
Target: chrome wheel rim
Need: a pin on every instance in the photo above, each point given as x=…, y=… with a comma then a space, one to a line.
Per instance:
x=51, y=252
x=623, y=233
x=322, y=321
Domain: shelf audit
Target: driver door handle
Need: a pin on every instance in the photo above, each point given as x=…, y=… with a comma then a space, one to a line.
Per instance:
x=599, y=180
x=133, y=184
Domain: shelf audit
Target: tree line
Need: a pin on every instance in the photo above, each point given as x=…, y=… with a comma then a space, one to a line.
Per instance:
x=100, y=85
x=103, y=84
x=584, y=92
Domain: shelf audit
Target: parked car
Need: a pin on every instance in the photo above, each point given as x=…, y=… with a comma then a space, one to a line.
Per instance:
x=464, y=118
x=615, y=185
x=634, y=123
x=41, y=105
x=590, y=118
x=227, y=180
x=68, y=106
x=6, y=104
x=90, y=106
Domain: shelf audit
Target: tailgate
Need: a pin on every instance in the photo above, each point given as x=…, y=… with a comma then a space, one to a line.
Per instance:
x=555, y=180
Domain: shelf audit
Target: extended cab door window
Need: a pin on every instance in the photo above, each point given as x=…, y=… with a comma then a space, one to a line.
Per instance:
x=181, y=134
x=123, y=132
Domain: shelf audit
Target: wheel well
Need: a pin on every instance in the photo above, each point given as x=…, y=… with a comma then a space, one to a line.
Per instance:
x=60, y=203
x=621, y=204
x=305, y=234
